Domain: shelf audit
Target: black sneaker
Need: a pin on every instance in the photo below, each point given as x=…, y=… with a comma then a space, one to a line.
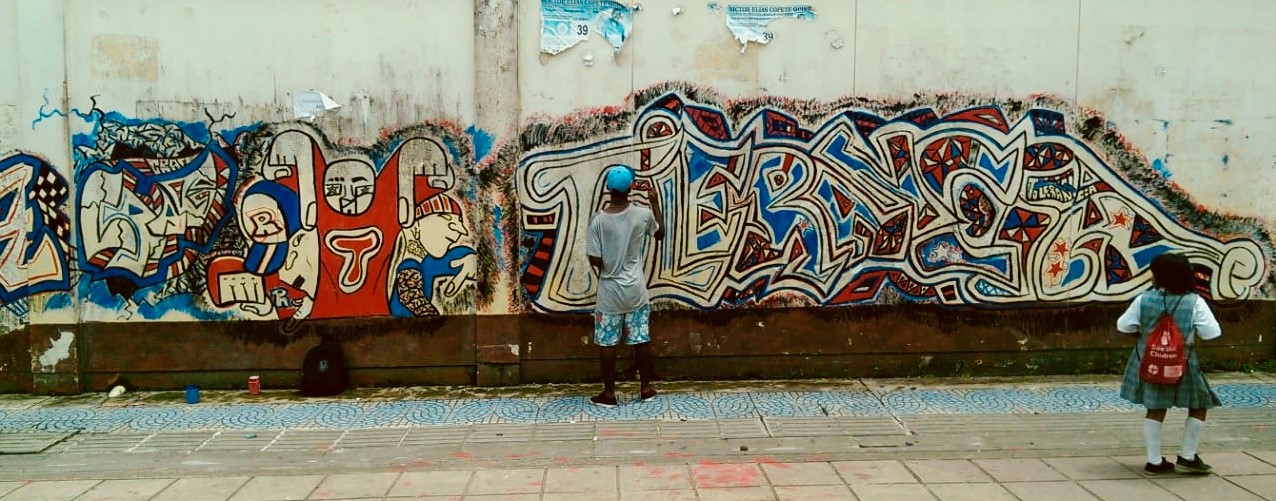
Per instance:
x=602, y=401
x=646, y=396
x=1152, y=470
x=1196, y=465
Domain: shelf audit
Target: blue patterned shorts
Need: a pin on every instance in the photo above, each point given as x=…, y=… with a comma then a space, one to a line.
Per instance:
x=607, y=327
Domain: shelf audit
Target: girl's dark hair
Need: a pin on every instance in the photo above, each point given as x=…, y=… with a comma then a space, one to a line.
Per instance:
x=1172, y=273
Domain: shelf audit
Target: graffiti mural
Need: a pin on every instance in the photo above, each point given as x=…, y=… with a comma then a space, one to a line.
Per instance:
x=35, y=231
x=967, y=207
x=152, y=197
x=331, y=232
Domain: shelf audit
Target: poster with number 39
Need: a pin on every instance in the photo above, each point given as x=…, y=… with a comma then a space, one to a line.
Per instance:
x=565, y=23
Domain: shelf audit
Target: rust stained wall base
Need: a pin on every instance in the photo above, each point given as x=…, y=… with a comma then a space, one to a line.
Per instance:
x=878, y=341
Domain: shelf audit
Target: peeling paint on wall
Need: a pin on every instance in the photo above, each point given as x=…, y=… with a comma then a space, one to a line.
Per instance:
x=58, y=351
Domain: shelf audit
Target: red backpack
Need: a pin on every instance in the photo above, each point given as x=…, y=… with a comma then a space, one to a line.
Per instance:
x=1165, y=355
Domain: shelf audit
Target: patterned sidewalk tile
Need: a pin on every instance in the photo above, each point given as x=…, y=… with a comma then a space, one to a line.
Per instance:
x=26, y=416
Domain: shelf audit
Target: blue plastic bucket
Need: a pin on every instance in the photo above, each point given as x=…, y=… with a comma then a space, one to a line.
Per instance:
x=192, y=394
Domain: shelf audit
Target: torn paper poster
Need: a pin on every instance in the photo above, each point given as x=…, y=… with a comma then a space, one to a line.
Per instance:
x=565, y=23
x=748, y=22
x=311, y=104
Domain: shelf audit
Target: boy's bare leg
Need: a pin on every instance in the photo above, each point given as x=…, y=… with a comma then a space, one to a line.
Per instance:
x=646, y=369
x=607, y=363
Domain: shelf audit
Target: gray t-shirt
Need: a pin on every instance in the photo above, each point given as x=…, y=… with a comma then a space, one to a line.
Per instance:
x=620, y=239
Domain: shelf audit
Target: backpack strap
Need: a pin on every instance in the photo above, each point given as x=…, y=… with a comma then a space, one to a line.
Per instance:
x=1190, y=335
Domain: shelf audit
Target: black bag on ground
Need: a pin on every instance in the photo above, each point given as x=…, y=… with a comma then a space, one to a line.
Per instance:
x=324, y=371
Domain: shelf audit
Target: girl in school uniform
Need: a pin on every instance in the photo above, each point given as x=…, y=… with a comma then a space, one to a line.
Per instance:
x=1172, y=281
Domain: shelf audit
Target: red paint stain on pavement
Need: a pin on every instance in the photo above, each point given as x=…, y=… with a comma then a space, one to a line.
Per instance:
x=562, y=460
x=461, y=455
x=640, y=463
x=676, y=455
x=773, y=462
x=709, y=474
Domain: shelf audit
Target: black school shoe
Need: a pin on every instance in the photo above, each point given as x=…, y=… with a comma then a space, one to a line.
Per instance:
x=1156, y=469
x=602, y=401
x=1196, y=465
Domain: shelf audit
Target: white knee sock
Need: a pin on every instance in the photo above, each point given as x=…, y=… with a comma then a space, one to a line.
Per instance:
x=1191, y=436
x=1152, y=437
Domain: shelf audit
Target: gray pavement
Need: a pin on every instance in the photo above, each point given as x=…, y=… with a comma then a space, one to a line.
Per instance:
x=945, y=450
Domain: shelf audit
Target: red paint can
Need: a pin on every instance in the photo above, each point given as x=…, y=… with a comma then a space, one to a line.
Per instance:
x=254, y=385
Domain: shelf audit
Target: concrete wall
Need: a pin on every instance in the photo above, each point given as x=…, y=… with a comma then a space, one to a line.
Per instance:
x=1021, y=157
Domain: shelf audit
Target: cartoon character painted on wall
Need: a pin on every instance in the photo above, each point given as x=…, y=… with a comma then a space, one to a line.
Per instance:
x=436, y=259
x=323, y=230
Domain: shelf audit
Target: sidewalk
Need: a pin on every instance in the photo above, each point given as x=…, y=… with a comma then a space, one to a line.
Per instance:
x=878, y=439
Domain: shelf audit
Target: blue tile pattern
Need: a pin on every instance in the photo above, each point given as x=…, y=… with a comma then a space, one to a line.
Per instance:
x=344, y=415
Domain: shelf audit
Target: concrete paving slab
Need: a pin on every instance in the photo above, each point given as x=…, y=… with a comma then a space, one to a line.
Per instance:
x=115, y=490
x=390, y=437
x=601, y=480
x=813, y=493
x=520, y=481
x=240, y=441
x=654, y=478
x=737, y=494
x=355, y=485
x=7, y=487
x=709, y=475
x=669, y=495
x=626, y=430
x=56, y=489
x=938, y=471
x=688, y=429
x=436, y=435
x=1121, y=490
x=1204, y=488
x=501, y=433
x=504, y=497
x=201, y=489
x=1019, y=470
x=874, y=472
x=1259, y=485
x=1268, y=457
x=579, y=496
x=971, y=492
x=1092, y=468
x=801, y=474
x=283, y=487
x=30, y=442
x=894, y=492
x=1237, y=463
x=305, y=440
x=742, y=428
x=174, y=441
x=1049, y=491
x=418, y=484
x=564, y=431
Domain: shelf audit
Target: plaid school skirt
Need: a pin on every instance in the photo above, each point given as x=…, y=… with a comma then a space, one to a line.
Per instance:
x=1192, y=392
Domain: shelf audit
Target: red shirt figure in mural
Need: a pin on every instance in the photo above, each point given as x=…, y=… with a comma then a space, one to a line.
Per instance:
x=616, y=245
x=359, y=220
x=322, y=233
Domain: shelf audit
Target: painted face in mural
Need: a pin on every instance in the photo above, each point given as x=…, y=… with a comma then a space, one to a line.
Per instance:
x=348, y=186
x=440, y=232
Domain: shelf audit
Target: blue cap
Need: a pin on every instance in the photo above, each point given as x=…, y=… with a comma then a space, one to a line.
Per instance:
x=619, y=178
